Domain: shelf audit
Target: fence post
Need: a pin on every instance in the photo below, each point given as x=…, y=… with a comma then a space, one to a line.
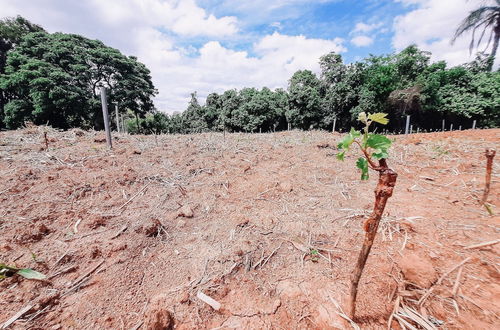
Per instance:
x=407, y=124
x=474, y=124
x=451, y=127
x=334, y=124
x=105, y=116
x=460, y=127
x=418, y=130
x=117, y=118
x=443, y=126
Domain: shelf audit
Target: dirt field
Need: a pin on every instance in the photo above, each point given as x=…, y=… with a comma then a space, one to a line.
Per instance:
x=129, y=237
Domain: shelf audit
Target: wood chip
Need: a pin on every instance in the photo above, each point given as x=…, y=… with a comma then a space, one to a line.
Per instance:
x=208, y=300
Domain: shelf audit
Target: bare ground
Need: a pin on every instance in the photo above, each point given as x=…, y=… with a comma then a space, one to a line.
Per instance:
x=128, y=237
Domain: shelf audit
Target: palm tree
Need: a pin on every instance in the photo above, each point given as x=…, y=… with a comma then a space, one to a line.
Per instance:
x=484, y=18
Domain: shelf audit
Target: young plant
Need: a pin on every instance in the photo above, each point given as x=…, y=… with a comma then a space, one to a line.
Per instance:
x=8, y=271
x=374, y=148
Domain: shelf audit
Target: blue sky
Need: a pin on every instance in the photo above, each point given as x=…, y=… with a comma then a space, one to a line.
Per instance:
x=213, y=45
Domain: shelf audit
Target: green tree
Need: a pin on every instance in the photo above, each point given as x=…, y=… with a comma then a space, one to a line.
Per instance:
x=12, y=30
x=55, y=79
x=194, y=117
x=483, y=19
x=304, y=100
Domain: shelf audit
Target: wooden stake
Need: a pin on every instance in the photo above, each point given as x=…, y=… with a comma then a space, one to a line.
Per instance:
x=490, y=154
x=386, y=182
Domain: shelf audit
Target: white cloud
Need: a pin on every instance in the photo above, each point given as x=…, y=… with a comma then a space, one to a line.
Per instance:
x=183, y=17
x=431, y=25
x=364, y=28
x=362, y=41
x=152, y=29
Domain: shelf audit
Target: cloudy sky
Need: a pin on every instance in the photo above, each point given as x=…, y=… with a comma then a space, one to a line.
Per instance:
x=213, y=45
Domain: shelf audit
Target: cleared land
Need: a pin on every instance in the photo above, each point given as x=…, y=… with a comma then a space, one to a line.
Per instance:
x=131, y=235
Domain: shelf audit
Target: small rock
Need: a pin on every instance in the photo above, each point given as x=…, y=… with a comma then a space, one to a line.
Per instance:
x=186, y=212
x=184, y=297
x=181, y=223
x=285, y=186
x=157, y=316
x=418, y=270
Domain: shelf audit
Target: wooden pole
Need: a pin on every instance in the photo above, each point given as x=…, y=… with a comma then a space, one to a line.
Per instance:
x=334, y=124
x=104, y=102
x=117, y=118
x=443, y=126
x=451, y=127
x=474, y=124
x=407, y=127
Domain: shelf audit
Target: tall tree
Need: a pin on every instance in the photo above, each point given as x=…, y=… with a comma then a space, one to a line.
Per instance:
x=55, y=78
x=12, y=31
x=305, y=100
x=483, y=19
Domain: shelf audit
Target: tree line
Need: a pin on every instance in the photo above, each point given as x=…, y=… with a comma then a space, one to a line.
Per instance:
x=400, y=84
x=54, y=78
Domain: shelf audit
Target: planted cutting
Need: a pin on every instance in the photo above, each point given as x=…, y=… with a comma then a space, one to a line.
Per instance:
x=374, y=150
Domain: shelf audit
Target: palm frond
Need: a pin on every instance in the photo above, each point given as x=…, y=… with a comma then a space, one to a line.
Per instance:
x=475, y=18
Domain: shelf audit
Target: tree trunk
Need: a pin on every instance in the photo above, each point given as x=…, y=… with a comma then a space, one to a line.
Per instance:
x=386, y=182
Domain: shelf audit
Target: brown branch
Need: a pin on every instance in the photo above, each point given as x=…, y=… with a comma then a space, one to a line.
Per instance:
x=385, y=187
x=490, y=154
x=373, y=166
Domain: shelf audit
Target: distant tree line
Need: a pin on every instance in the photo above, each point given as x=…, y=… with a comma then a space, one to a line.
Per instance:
x=54, y=79
x=399, y=84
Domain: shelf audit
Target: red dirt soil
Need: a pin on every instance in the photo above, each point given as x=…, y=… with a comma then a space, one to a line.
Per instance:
x=128, y=237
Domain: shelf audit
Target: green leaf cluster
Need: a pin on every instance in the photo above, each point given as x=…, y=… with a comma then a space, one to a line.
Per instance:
x=374, y=146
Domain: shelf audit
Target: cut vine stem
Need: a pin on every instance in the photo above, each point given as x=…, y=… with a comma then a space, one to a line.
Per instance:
x=386, y=182
x=490, y=154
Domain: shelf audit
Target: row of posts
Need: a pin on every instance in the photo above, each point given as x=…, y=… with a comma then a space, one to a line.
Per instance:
x=409, y=128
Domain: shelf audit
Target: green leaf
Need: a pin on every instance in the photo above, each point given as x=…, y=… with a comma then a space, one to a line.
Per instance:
x=31, y=274
x=362, y=117
x=354, y=133
x=362, y=164
x=380, y=155
x=378, y=142
x=340, y=155
x=378, y=117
